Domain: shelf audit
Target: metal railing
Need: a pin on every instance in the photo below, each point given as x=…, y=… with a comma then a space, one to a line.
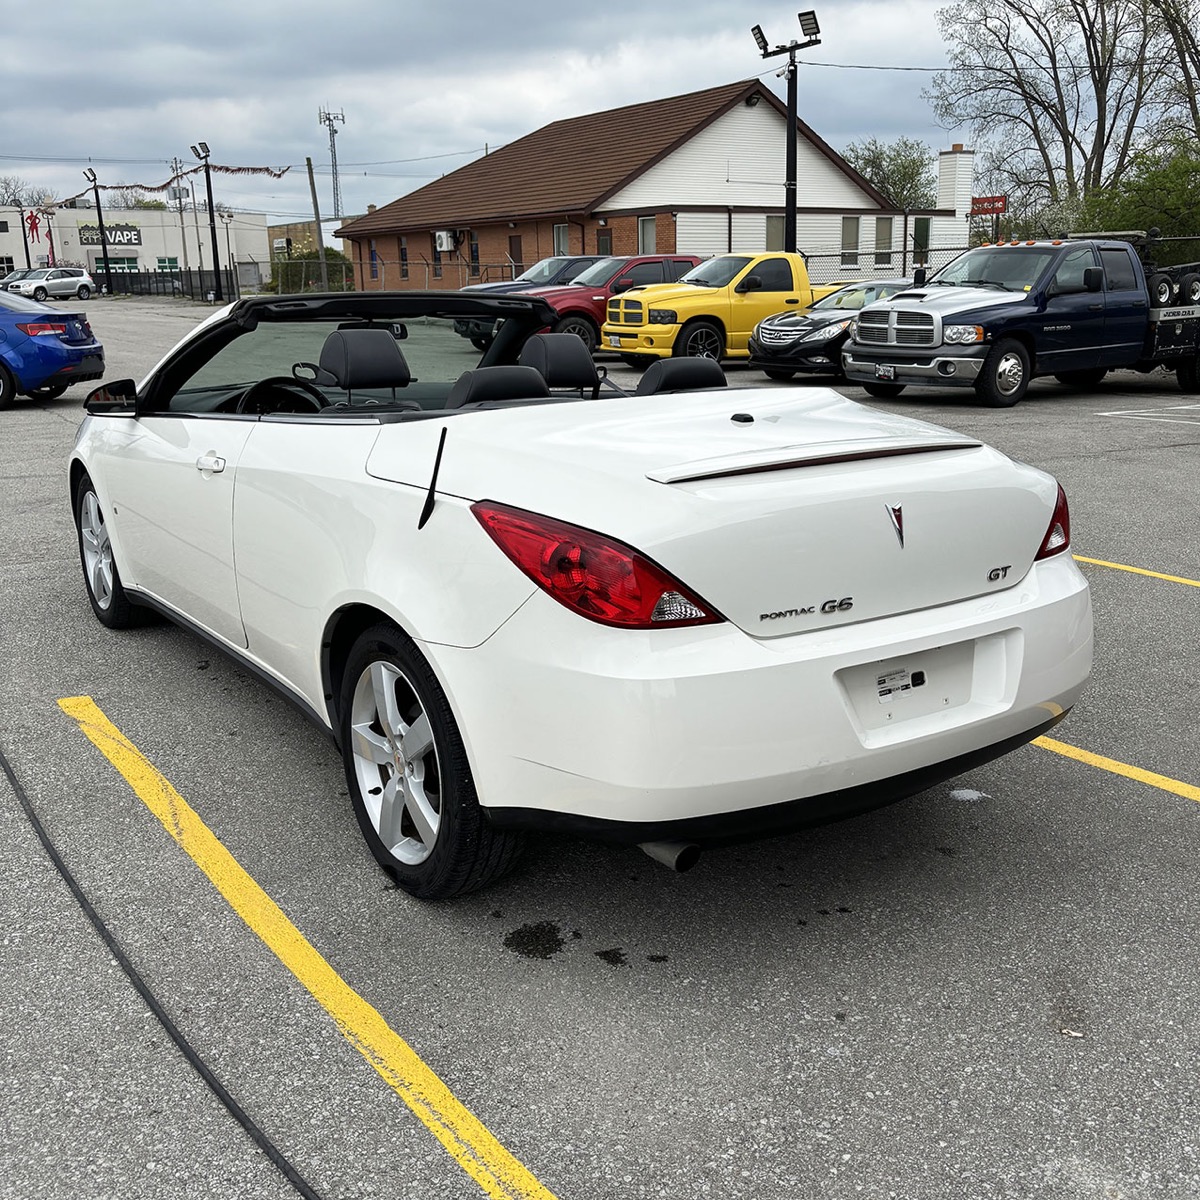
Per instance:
x=189, y=284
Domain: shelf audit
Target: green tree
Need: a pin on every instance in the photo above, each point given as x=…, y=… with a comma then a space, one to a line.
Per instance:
x=302, y=272
x=902, y=170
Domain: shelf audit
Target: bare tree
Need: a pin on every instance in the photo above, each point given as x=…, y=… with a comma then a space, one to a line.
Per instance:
x=16, y=192
x=1057, y=88
x=1180, y=21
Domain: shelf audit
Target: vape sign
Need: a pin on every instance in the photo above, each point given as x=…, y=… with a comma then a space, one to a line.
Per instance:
x=114, y=235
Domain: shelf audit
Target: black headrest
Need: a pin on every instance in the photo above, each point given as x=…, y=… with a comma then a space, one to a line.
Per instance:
x=364, y=358
x=561, y=359
x=496, y=383
x=680, y=375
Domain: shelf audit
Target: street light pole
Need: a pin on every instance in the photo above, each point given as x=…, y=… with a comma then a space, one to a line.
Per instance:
x=227, y=220
x=202, y=155
x=90, y=176
x=810, y=29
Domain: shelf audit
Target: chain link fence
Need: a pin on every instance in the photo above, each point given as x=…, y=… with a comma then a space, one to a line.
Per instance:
x=845, y=268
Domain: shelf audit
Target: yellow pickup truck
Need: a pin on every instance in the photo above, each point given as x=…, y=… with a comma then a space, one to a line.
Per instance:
x=711, y=311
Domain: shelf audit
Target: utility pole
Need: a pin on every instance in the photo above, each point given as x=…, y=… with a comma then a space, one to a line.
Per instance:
x=179, y=192
x=325, y=117
x=312, y=186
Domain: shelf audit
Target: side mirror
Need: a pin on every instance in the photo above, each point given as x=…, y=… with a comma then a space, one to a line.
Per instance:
x=118, y=398
x=752, y=283
x=919, y=277
x=1093, y=279
x=622, y=285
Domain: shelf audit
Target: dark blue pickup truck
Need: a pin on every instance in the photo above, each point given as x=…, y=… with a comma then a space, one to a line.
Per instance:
x=1000, y=315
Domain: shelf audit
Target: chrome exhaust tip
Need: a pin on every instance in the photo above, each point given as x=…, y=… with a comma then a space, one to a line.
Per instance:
x=679, y=856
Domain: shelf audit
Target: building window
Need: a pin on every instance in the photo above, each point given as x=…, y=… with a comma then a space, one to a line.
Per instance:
x=850, y=241
x=374, y=259
x=883, y=241
x=774, y=233
x=646, y=236
x=604, y=241
x=168, y=264
x=562, y=239
x=6, y=264
x=920, y=239
x=116, y=264
x=473, y=247
x=3, y=226
x=437, y=262
x=404, y=258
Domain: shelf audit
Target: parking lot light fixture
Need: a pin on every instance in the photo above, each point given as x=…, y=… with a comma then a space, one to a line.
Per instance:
x=202, y=154
x=90, y=176
x=811, y=29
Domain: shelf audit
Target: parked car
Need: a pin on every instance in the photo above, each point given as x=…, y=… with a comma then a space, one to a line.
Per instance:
x=582, y=303
x=811, y=339
x=15, y=276
x=999, y=316
x=44, y=350
x=667, y=618
x=548, y=272
x=55, y=281
x=711, y=311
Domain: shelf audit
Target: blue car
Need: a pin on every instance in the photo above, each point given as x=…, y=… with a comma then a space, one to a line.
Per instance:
x=43, y=350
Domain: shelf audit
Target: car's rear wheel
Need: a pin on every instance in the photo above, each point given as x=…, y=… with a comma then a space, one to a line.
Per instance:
x=883, y=391
x=408, y=775
x=109, y=600
x=8, y=387
x=40, y=293
x=583, y=329
x=84, y=291
x=699, y=339
x=778, y=373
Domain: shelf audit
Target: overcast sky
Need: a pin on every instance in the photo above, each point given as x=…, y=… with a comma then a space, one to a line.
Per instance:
x=424, y=87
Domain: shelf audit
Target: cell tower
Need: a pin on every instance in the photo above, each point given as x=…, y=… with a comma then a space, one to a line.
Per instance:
x=329, y=118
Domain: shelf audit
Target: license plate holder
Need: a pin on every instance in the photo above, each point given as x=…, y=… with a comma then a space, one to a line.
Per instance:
x=885, y=371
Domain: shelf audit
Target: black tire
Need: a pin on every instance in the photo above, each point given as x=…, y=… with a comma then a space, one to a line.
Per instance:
x=699, y=339
x=84, y=291
x=639, y=362
x=50, y=391
x=1188, y=374
x=884, y=391
x=778, y=373
x=450, y=848
x=40, y=294
x=481, y=343
x=583, y=329
x=1089, y=378
x=1189, y=288
x=1005, y=375
x=8, y=387
x=1162, y=289
x=109, y=600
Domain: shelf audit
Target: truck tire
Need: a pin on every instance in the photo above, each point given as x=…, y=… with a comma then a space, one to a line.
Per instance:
x=1189, y=288
x=1005, y=375
x=1162, y=289
x=582, y=327
x=884, y=391
x=699, y=339
x=1082, y=378
x=1188, y=374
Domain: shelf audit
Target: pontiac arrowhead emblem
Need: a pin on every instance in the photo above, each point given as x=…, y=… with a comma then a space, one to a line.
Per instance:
x=894, y=511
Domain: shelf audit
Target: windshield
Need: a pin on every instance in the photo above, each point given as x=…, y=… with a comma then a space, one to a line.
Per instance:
x=38, y=274
x=599, y=273
x=1009, y=268
x=856, y=295
x=542, y=272
x=717, y=272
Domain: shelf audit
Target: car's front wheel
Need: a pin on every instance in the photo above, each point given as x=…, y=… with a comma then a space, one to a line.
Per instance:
x=583, y=329
x=700, y=339
x=1004, y=378
x=8, y=387
x=40, y=294
x=109, y=600
x=408, y=775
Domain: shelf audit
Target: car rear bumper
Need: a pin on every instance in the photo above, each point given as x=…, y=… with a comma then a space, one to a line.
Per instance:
x=703, y=732
x=76, y=367
x=947, y=368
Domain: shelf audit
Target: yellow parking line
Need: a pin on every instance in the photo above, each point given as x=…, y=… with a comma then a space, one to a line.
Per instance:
x=461, y=1133
x=1099, y=562
x=1162, y=782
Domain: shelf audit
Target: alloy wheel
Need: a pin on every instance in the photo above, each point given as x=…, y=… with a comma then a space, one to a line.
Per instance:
x=97, y=550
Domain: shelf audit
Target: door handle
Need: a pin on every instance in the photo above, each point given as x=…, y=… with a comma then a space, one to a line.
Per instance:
x=210, y=462
x=1095, y=307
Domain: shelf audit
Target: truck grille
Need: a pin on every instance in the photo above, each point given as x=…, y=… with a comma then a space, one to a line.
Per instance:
x=897, y=327
x=624, y=312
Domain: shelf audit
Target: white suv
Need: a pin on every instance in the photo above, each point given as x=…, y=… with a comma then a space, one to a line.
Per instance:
x=54, y=281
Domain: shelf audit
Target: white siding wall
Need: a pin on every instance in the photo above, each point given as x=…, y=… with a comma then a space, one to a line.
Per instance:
x=739, y=160
x=701, y=233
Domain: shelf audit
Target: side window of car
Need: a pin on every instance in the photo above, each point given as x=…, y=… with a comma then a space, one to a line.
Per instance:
x=678, y=267
x=1118, y=269
x=1069, y=276
x=647, y=272
x=775, y=273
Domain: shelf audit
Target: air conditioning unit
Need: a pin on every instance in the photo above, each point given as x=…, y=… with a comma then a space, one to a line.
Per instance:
x=444, y=239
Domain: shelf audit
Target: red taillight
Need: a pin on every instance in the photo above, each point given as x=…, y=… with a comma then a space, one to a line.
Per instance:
x=1058, y=536
x=595, y=576
x=34, y=329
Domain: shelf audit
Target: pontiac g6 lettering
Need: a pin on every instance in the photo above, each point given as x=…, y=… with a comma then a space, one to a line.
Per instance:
x=830, y=606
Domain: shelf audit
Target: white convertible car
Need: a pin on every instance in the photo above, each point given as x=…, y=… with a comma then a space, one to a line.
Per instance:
x=519, y=598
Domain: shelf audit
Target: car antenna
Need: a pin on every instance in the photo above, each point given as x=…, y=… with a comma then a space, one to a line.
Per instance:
x=427, y=508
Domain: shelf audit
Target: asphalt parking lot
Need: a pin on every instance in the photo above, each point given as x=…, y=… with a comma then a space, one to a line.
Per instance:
x=986, y=991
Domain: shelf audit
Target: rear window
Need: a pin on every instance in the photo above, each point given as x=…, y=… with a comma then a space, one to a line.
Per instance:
x=1118, y=269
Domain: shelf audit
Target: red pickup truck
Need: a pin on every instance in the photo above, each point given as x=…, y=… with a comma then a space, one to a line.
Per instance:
x=581, y=304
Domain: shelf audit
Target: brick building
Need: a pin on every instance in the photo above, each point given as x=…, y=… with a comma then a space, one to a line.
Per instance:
x=700, y=173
